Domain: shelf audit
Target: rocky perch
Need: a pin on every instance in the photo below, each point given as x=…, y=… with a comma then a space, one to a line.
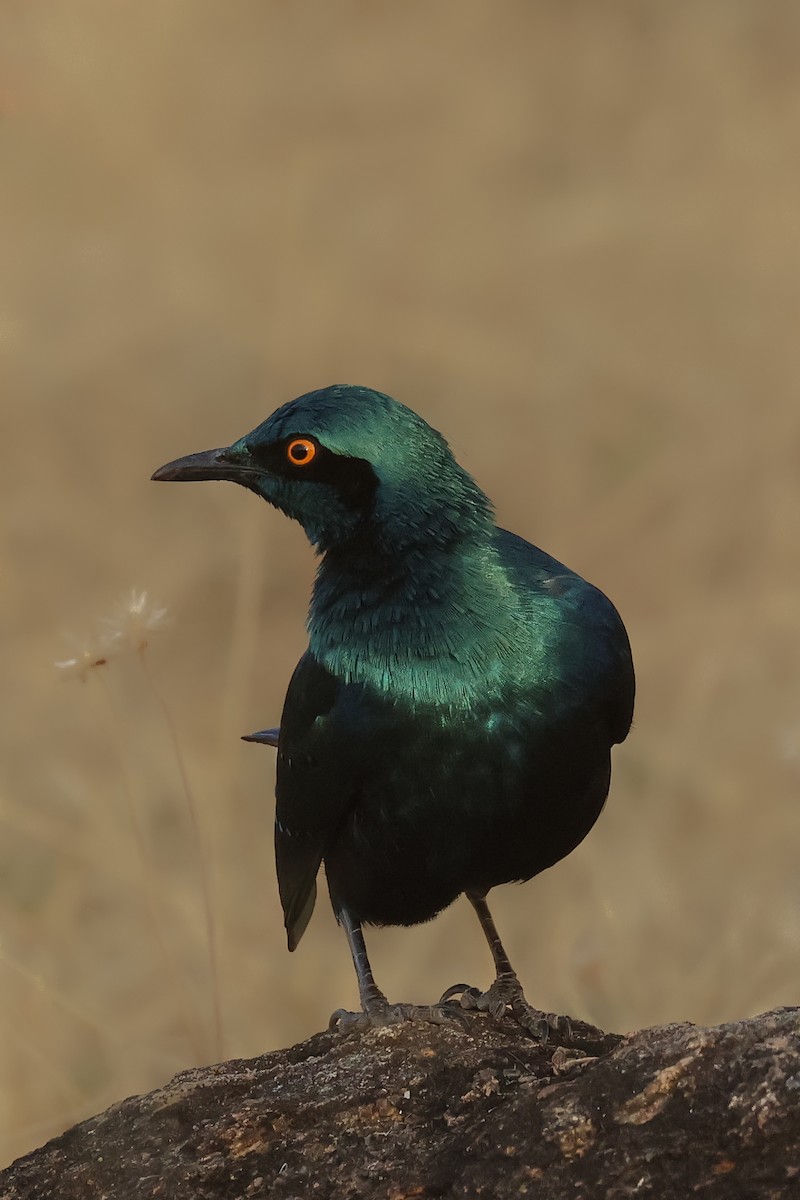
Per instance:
x=438, y=1111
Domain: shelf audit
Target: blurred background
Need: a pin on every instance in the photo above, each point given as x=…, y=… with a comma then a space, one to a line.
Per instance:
x=568, y=235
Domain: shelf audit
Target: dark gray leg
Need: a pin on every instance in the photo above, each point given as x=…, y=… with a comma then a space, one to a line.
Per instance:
x=506, y=991
x=502, y=966
x=369, y=993
x=376, y=1009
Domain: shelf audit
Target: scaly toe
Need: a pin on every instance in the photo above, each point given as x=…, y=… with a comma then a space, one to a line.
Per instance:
x=344, y=1021
x=505, y=997
x=431, y=1014
x=539, y=1024
x=495, y=1001
x=381, y=1016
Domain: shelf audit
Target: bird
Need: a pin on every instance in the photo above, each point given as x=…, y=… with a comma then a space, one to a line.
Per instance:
x=449, y=727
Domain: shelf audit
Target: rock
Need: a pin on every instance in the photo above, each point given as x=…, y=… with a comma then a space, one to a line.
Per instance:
x=416, y=1111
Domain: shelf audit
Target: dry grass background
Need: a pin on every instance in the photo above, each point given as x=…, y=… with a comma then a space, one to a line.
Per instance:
x=568, y=234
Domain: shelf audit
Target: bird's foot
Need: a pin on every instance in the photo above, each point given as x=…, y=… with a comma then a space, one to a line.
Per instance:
x=379, y=1016
x=504, y=996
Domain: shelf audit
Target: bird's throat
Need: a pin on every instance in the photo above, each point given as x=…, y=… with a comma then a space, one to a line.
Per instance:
x=431, y=628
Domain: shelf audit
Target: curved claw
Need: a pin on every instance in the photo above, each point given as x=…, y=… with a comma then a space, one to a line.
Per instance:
x=344, y=1021
x=541, y=1024
x=474, y=1000
x=506, y=996
x=465, y=992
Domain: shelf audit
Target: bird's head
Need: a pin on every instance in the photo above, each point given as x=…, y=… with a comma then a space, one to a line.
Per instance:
x=347, y=461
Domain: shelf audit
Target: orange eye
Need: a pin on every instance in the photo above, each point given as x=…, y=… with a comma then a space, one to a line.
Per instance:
x=301, y=451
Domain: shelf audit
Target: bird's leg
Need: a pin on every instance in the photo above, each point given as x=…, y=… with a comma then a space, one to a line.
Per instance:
x=506, y=991
x=370, y=994
x=375, y=1008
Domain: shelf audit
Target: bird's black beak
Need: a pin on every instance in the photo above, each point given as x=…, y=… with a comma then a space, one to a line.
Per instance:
x=208, y=464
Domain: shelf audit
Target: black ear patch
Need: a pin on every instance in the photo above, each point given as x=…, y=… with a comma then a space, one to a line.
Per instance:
x=354, y=479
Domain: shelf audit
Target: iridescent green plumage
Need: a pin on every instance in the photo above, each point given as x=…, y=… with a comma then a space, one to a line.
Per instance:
x=450, y=725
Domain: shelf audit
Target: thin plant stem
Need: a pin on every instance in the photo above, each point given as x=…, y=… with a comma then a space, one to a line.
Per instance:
x=40, y=988
x=244, y=633
x=205, y=881
x=150, y=877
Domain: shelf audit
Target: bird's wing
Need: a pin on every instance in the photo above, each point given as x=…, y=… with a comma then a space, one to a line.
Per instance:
x=582, y=633
x=316, y=785
x=607, y=665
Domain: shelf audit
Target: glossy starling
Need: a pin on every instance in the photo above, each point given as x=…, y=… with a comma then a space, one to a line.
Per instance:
x=450, y=726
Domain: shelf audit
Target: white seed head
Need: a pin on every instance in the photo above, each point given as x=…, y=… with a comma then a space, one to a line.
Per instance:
x=136, y=619
x=128, y=631
x=86, y=657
